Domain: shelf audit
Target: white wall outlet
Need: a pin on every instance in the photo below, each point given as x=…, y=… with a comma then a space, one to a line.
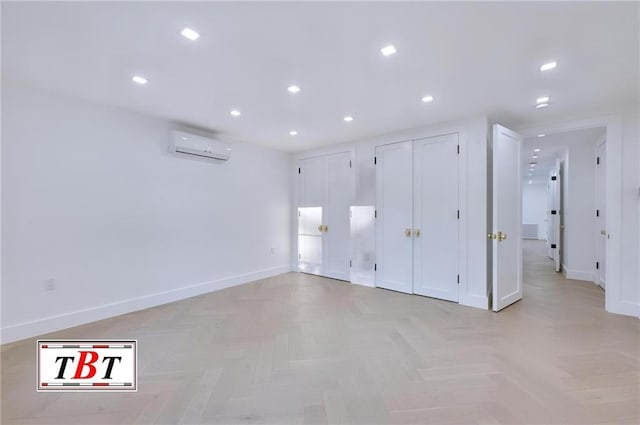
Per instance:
x=50, y=285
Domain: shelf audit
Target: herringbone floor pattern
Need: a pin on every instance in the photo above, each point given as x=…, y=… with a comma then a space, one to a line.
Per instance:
x=299, y=349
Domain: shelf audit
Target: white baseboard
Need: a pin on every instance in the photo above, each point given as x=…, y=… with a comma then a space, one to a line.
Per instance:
x=477, y=301
x=578, y=274
x=80, y=317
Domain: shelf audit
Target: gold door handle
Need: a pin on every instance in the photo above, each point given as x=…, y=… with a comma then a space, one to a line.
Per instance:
x=492, y=236
x=326, y=228
x=501, y=236
x=603, y=232
x=407, y=232
x=416, y=233
x=320, y=228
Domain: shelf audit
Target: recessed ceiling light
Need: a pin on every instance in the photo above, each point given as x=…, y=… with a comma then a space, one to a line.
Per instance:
x=139, y=80
x=228, y=149
x=547, y=66
x=348, y=118
x=543, y=99
x=427, y=99
x=535, y=156
x=532, y=164
x=388, y=50
x=536, y=150
x=530, y=181
x=541, y=105
x=293, y=133
x=183, y=138
x=293, y=89
x=190, y=34
x=541, y=135
x=235, y=113
x=530, y=174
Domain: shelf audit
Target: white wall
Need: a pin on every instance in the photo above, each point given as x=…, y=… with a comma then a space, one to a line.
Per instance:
x=92, y=198
x=473, y=142
x=535, y=207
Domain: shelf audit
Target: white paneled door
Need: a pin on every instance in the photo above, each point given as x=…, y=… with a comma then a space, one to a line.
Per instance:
x=601, y=232
x=436, y=217
x=394, y=217
x=325, y=194
x=507, y=216
x=556, y=215
x=337, y=234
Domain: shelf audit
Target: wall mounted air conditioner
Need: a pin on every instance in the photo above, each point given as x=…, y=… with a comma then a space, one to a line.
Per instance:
x=193, y=145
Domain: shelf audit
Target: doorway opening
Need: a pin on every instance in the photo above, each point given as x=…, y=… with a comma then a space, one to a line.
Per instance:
x=563, y=204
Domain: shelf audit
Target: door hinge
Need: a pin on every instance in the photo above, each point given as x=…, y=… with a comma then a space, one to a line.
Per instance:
x=458, y=214
x=598, y=160
x=299, y=171
x=350, y=263
x=349, y=163
x=458, y=279
x=298, y=213
x=597, y=213
x=375, y=267
x=299, y=256
x=597, y=265
x=553, y=246
x=375, y=160
x=375, y=214
x=554, y=178
x=554, y=212
x=458, y=148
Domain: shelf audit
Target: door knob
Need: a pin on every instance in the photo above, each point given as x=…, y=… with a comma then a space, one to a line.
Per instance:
x=492, y=236
x=603, y=232
x=320, y=228
x=326, y=228
x=407, y=232
x=416, y=232
x=501, y=236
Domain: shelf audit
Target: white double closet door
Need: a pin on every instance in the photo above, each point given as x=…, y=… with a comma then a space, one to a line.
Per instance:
x=417, y=217
x=324, y=198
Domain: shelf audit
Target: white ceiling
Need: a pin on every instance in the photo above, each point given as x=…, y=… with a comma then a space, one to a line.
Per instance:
x=474, y=58
x=552, y=146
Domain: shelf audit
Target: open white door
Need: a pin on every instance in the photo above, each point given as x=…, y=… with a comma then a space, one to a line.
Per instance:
x=507, y=216
x=556, y=215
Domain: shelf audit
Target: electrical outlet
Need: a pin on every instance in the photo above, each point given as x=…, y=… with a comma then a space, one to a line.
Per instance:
x=50, y=285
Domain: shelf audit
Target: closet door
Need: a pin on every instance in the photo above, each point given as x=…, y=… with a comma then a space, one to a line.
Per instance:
x=394, y=209
x=435, y=217
x=601, y=232
x=310, y=215
x=336, y=226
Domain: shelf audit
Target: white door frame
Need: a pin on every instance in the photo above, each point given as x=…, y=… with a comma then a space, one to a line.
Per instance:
x=613, y=202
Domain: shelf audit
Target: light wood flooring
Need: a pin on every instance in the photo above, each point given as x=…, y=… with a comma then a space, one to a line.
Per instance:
x=300, y=349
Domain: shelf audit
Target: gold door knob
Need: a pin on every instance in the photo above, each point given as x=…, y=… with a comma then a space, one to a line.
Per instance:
x=416, y=232
x=603, y=232
x=501, y=236
x=320, y=228
x=407, y=232
x=326, y=228
x=492, y=236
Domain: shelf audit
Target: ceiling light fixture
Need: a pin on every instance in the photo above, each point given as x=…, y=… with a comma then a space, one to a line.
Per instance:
x=293, y=89
x=536, y=150
x=348, y=118
x=541, y=105
x=139, y=80
x=541, y=135
x=535, y=157
x=427, y=99
x=293, y=133
x=547, y=66
x=235, y=113
x=190, y=34
x=543, y=99
x=388, y=50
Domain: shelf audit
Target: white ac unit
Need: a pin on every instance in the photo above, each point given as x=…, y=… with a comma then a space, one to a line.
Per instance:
x=190, y=144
